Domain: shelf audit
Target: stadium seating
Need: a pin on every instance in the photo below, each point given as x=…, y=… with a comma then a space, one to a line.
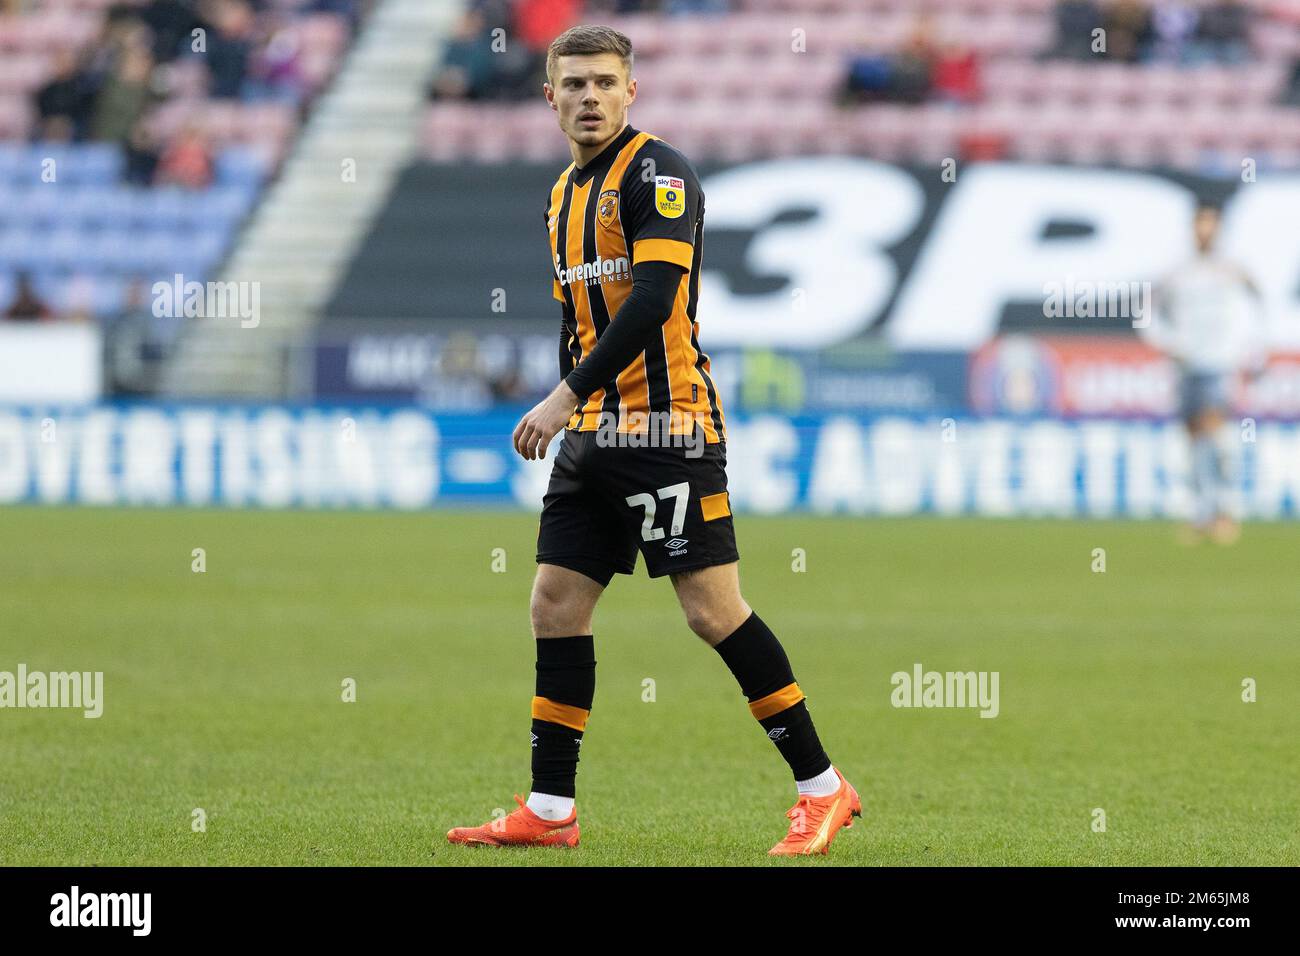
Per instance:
x=87, y=236
x=1036, y=107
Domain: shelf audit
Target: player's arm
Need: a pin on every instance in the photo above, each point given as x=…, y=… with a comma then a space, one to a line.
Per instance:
x=661, y=203
x=643, y=313
x=638, y=321
x=1157, y=330
x=1248, y=283
x=536, y=429
x=1257, y=350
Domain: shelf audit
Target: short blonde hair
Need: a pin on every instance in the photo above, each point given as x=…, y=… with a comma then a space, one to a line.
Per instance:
x=588, y=39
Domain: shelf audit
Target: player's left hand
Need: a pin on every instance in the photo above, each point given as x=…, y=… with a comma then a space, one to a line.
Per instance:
x=536, y=429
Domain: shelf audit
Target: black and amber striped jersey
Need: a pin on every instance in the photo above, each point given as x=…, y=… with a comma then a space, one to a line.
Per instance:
x=638, y=201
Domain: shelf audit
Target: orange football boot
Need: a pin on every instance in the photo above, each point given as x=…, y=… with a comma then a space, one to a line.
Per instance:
x=521, y=827
x=816, y=820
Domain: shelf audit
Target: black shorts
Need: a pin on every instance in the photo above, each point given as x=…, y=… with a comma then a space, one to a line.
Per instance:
x=605, y=502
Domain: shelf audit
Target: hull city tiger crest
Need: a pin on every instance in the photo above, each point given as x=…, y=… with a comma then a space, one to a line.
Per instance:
x=607, y=209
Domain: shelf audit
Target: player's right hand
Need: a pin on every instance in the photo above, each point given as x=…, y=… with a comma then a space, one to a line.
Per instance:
x=536, y=429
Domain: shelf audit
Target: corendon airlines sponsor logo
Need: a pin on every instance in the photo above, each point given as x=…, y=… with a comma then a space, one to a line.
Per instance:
x=597, y=270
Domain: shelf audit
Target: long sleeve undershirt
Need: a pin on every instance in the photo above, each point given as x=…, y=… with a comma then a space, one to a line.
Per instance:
x=646, y=309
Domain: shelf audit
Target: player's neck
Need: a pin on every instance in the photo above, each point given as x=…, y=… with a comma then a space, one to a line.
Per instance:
x=584, y=155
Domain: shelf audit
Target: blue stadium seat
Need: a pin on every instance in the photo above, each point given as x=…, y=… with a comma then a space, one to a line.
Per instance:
x=13, y=161
x=238, y=166
x=39, y=204
x=17, y=250
x=98, y=163
x=63, y=246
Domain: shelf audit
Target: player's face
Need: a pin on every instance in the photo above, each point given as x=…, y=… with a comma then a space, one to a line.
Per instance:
x=1206, y=227
x=591, y=95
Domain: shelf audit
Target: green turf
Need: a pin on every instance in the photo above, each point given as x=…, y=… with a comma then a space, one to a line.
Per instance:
x=1119, y=690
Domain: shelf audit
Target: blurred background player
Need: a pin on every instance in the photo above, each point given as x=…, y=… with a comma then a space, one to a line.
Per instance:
x=1208, y=319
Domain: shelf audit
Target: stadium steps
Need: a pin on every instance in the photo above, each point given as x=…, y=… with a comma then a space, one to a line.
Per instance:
x=313, y=218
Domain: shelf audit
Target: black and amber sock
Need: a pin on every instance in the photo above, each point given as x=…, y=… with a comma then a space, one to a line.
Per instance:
x=760, y=665
x=566, y=685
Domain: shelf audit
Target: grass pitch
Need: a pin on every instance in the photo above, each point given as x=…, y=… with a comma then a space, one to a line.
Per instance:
x=1119, y=690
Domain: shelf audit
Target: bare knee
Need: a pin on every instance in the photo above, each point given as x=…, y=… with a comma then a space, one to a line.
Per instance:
x=710, y=599
x=562, y=603
x=714, y=616
x=556, y=613
x=706, y=621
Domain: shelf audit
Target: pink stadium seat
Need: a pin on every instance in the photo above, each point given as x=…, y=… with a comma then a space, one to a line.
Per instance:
x=187, y=78
x=649, y=34
x=1115, y=83
x=16, y=116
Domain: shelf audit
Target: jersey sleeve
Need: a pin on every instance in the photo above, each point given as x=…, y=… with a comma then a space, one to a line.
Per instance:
x=662, y=203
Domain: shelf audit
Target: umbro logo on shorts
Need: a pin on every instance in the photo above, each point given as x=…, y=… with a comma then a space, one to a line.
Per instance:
x=676, y=546
x=776, y=732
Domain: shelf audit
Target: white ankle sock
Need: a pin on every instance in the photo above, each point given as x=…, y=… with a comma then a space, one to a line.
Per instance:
x=822, y=785
x=550, y=807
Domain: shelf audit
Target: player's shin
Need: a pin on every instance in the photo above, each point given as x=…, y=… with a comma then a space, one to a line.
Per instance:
x=761, y=667
x=566, y=686
x=1205, y=477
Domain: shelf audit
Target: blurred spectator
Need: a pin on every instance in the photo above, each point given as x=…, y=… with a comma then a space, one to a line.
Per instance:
x=1291, y=95
x=1075, y=22
x=350, y=10
x=141, y=155
x=275, y=69
x=124, y=95
x=1128, y=30
x=538, y=22
x=955, y=74
x=58, y=129
x=867, y=79
x=467, y=63
x=67, y=97
x=910, y=76
x=172, y=24
x=187, y=161
x=1223, y=31
x=1183, y=32
x=480, y=63
x=1173, y=24
x=229, y=40
x=675, y=8
x=595, y=9
x=27, y=305
x=520, y=69
x=138, y=341
x=922, y=70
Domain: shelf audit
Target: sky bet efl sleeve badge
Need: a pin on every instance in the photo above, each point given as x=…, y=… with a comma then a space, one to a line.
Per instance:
x=670, y=196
